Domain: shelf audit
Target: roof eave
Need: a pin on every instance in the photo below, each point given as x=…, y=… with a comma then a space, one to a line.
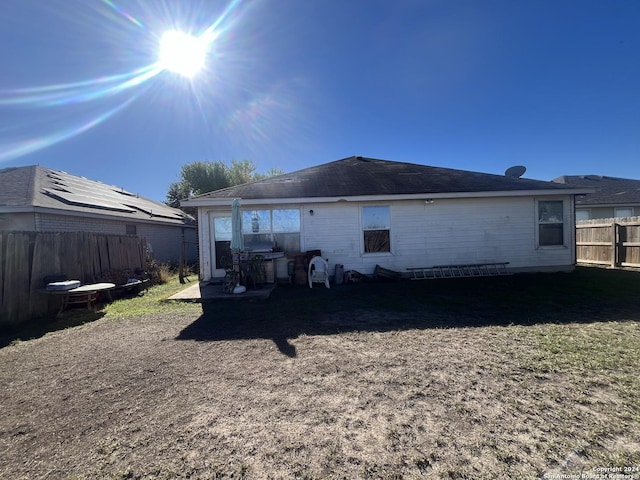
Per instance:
x=216, y=202
x=85, y=214
x=607, y=205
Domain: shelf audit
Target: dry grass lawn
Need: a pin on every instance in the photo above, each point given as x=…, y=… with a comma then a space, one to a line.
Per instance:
x=516, y=377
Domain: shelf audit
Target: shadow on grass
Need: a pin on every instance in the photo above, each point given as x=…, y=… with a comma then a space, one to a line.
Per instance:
x=40, y=327
x=586, y=295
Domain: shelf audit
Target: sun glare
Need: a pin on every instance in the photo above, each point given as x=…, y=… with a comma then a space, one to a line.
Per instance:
x=178, y=52
x=182, y=53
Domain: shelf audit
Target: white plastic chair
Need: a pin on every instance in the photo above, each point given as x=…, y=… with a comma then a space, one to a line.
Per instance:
x=318, y=271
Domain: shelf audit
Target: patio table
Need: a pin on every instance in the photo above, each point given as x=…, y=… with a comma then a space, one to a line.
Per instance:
x=84, y=294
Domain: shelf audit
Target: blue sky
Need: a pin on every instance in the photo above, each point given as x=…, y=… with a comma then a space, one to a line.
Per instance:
x=471, y=84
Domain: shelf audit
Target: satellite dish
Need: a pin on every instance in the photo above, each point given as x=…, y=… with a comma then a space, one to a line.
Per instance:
x=515, y=172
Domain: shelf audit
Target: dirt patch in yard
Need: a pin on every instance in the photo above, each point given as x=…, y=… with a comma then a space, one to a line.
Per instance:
x=358, y=393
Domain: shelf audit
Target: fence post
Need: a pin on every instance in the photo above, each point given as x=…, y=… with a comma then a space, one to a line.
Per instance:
x=182, y=259
x=614, y=244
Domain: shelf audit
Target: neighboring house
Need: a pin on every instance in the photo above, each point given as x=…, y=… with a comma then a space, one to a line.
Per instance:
x=39, y=199
x=362, y=212
x=613, y=197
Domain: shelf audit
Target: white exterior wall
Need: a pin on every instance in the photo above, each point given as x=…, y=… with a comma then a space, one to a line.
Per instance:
x=204, y=246
x=445, y=232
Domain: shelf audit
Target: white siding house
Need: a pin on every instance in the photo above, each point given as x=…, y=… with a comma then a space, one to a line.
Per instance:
x=398, y=216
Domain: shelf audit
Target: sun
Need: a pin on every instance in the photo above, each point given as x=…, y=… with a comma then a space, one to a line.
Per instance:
x=182, y=53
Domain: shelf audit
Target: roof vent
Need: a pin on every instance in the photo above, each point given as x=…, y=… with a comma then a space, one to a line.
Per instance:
x=515, y=172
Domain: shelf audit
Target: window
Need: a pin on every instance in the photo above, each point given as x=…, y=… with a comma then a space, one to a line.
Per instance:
x=222, y=228
x=271, y=229
x=222, y=239
x=286, y=229
x=623, y=212
x=582, y=214
x=550, y=223
x=376, y=225
x=131, y=230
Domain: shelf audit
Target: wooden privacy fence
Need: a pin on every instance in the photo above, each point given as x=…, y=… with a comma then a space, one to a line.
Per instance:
x=27, y=257
x=614, y=242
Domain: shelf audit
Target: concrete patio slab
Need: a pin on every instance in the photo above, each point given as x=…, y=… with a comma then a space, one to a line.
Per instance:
x=206, y=292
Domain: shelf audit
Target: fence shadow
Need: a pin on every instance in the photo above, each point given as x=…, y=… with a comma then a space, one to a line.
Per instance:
x=587, y=295
x=40, y=327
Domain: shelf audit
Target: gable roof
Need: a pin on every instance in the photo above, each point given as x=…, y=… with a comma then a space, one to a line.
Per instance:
x=25, y=189
x=608, y=190
x=368, y=177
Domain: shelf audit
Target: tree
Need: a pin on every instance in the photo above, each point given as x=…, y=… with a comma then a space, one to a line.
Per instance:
x=242, y=171
x=198, y=177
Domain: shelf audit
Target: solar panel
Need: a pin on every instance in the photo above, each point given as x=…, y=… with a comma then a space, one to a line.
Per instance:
x=85, y=201
x=80, y=191
x=155, y=210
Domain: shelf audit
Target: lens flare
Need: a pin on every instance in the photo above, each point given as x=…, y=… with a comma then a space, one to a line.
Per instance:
x=70, y=93
x=126, y=15
x=25, y=147
x=212, y=32
x=179, y=53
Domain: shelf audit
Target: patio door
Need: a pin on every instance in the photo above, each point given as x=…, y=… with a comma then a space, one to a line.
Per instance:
x=220, y=225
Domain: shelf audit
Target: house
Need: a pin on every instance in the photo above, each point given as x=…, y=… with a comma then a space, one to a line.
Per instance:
x=613, y=197
x=362, y=212
x=40, y=199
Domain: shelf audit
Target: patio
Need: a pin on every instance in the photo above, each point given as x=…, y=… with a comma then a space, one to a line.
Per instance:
x=203, y=292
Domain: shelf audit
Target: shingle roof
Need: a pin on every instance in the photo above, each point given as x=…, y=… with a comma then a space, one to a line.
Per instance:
x=609, y=190
x=17, y=186
x=358, y=176
x=40, y=187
